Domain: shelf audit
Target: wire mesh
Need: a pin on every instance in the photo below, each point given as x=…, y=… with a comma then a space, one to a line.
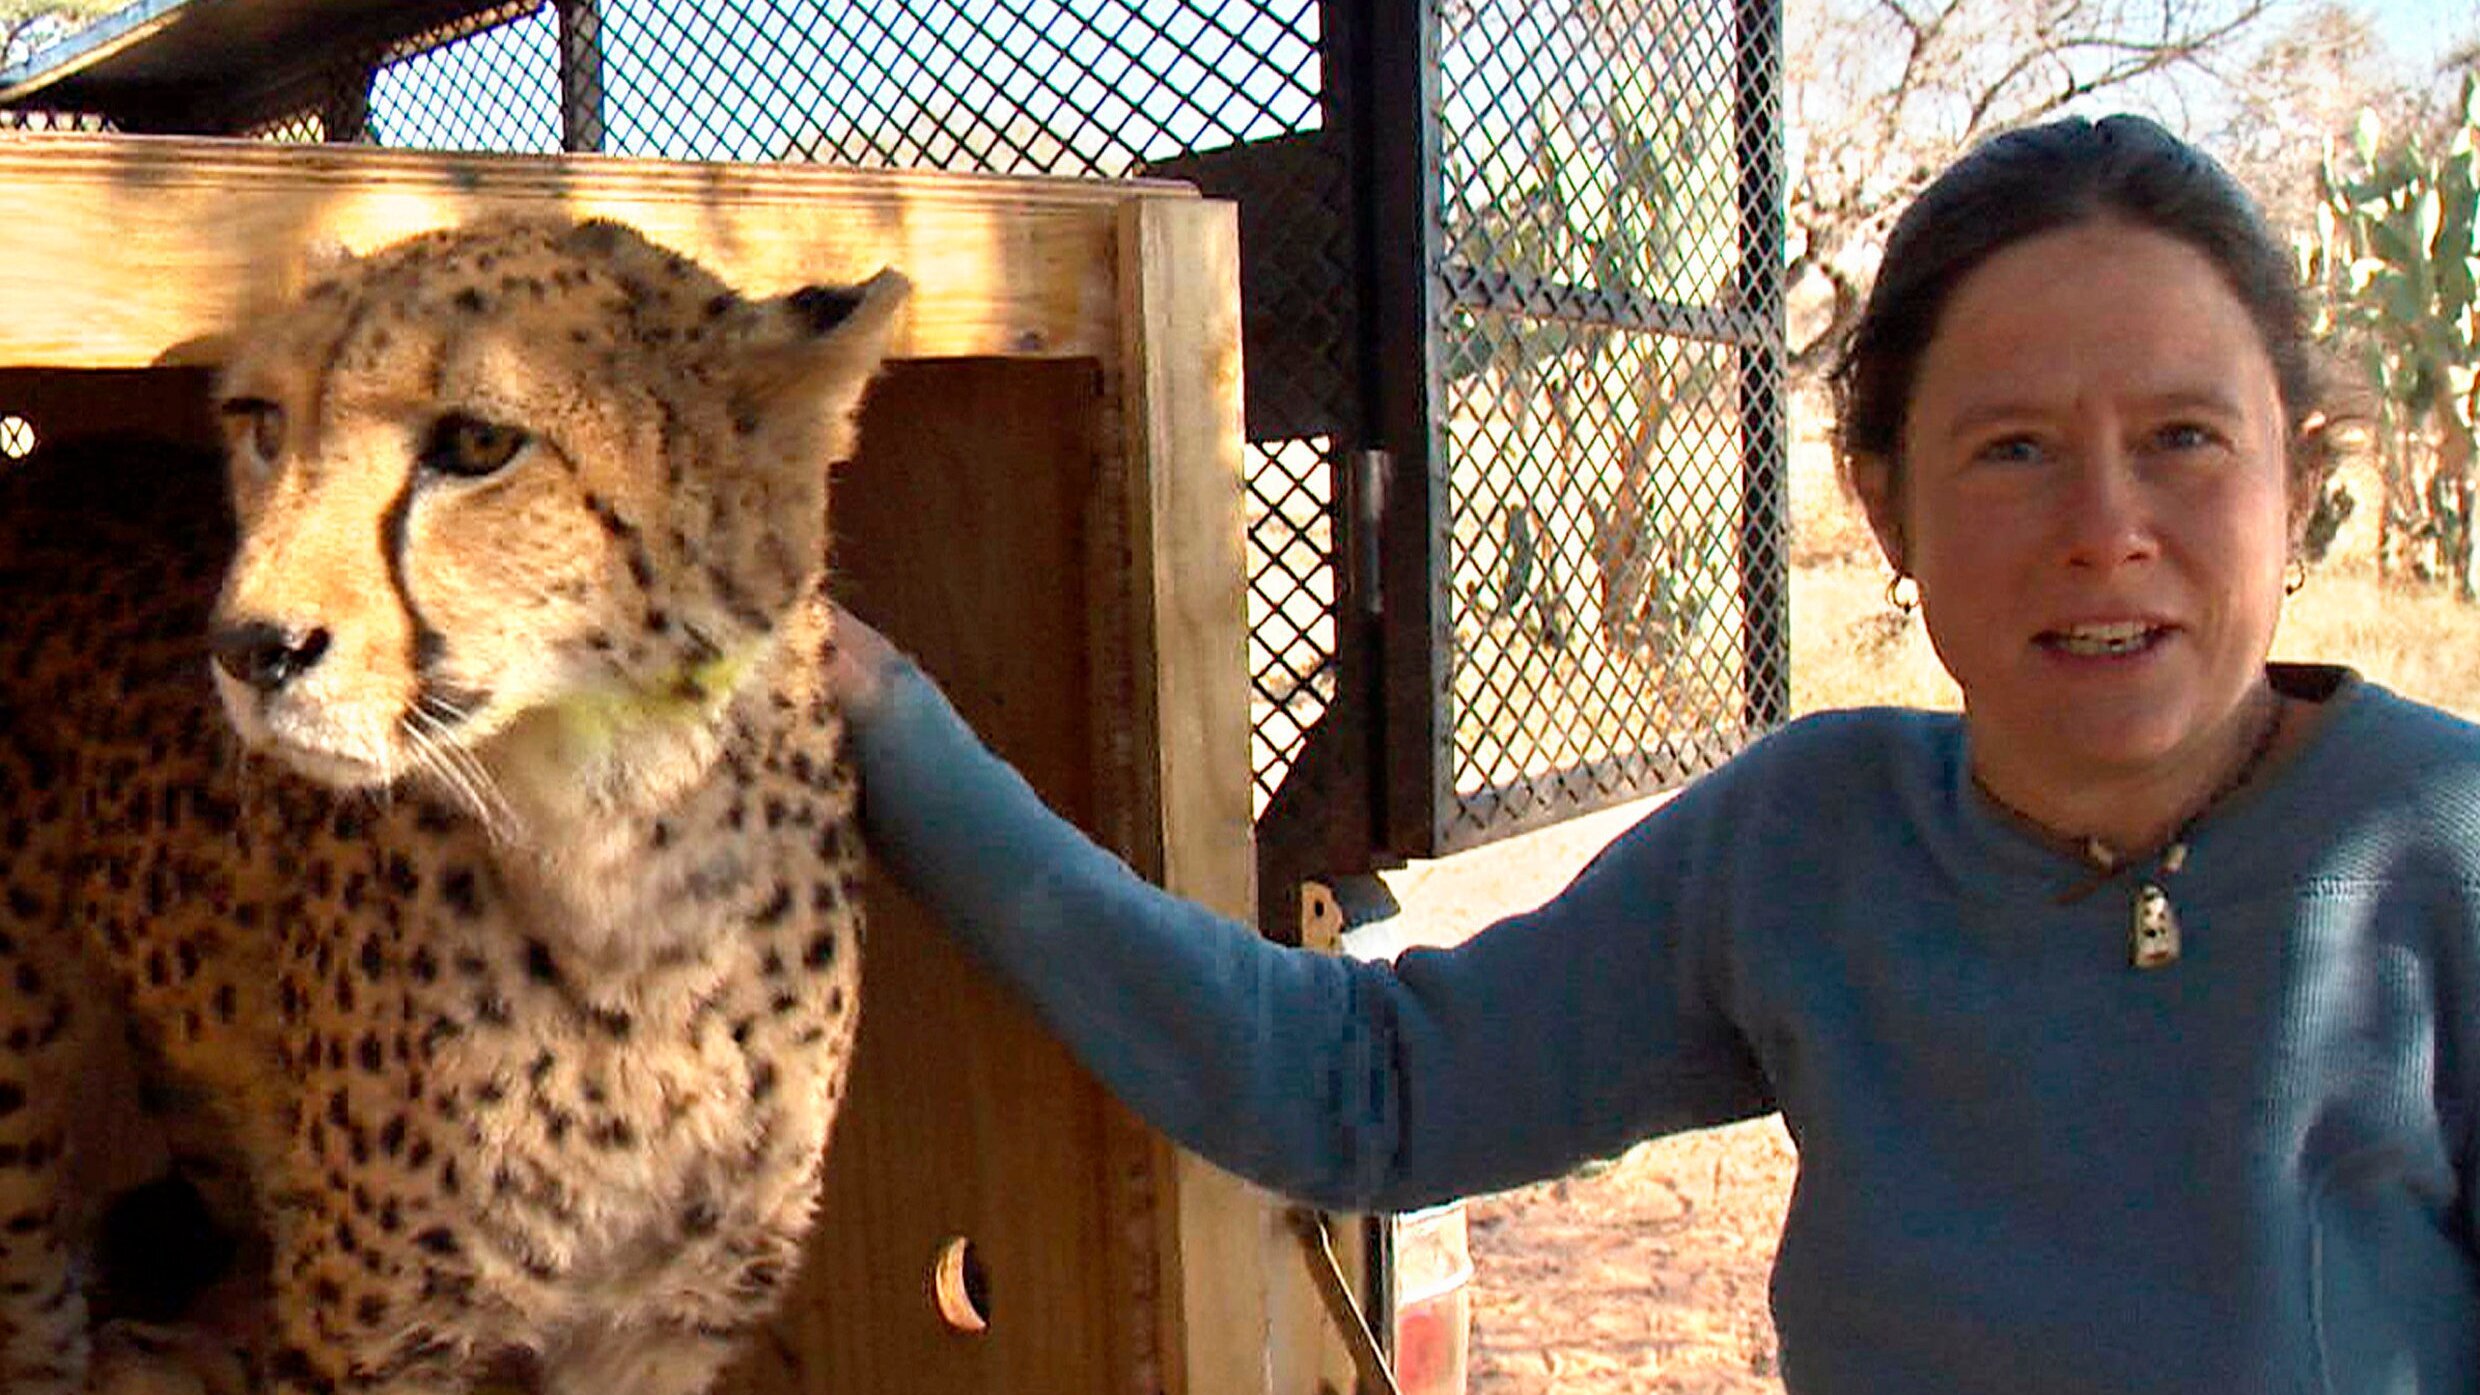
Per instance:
x=1292, y=599
x=493, y=89
x=297, y=128
x=1608, y=360
x=51, y=121
x=1042, y=86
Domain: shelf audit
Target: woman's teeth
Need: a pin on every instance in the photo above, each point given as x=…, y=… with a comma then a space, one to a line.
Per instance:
x=2120, y=638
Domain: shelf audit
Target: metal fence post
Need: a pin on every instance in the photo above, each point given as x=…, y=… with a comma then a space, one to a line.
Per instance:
x=581, y=75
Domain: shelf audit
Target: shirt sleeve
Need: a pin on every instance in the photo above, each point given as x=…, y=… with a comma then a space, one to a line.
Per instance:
x=1548, y=1039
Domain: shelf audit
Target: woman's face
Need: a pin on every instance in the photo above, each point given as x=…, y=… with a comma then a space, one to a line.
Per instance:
x=2094, y=500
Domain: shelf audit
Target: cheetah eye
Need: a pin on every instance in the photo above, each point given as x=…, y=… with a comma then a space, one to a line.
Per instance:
x=469, y=447
x=260, y=419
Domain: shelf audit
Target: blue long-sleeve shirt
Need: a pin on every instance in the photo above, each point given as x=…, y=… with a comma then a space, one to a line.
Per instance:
x=2025, y=1166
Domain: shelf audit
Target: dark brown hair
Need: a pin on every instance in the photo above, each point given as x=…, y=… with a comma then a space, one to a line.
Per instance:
x=2041, y=179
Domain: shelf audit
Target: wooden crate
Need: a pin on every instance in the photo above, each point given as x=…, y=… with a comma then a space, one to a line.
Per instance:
x=1044, y=508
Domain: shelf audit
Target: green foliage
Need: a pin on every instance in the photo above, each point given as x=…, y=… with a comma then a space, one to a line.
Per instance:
x=2396, y=255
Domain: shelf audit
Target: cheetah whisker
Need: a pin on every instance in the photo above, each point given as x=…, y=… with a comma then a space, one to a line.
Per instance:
x=425, y=727
x=458, y=774
x=249, y=769
x=464, y=773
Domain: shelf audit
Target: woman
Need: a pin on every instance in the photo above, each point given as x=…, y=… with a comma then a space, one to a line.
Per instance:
x=2125, y=1022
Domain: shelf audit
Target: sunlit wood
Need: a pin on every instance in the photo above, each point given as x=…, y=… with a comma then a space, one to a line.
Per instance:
x=178, y=239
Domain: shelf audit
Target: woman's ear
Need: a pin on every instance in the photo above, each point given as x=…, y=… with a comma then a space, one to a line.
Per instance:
x=2314, y=447
x=1880, y=487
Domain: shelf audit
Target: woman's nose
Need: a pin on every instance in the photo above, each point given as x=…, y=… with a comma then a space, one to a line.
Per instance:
x=2106, y=517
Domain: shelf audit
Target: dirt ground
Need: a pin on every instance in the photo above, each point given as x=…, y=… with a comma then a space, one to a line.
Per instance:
x=1643, y=1275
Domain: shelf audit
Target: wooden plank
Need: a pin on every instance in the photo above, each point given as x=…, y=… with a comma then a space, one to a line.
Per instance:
x=1239, y=1316
x=118, y=249
x=961, y=531
x=1180, y=428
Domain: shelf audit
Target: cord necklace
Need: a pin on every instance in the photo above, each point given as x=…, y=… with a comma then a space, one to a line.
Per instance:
x=2153, y=926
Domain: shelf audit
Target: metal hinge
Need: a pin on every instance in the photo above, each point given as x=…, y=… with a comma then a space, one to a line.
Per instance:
x=1376, y=472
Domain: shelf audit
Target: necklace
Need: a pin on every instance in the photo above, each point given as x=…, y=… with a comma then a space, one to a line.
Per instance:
x=2153, y=927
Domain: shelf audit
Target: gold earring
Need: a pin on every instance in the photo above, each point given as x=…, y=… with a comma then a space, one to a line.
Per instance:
x=1902, y=593
x=2295, y=576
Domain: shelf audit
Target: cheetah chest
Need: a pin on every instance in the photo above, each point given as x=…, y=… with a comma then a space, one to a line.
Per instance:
x=571, y=1101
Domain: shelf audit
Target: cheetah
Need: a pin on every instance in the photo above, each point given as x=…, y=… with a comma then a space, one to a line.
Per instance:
x=444, y=811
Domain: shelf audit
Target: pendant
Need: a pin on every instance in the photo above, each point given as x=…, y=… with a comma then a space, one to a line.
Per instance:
x=2153, y=938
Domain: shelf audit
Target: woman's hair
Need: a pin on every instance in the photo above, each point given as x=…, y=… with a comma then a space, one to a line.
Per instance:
x=2041, y=179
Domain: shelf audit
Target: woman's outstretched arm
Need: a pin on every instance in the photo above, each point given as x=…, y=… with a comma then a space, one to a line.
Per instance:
x=1351, y=1084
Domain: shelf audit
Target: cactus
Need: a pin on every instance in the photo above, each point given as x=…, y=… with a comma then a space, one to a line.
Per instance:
x=2396, y=259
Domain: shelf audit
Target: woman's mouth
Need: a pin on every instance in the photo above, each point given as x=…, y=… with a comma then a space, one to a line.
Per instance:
x=2104, y=640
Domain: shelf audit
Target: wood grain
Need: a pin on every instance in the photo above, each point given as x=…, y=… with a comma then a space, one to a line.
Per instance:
x=175, y=240
x=961, y=533
x=1241, y=1315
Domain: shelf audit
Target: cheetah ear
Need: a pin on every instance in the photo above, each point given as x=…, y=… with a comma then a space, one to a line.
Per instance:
x=318, y=257
x=804, y=360
x=316, y=260
x=322, y=255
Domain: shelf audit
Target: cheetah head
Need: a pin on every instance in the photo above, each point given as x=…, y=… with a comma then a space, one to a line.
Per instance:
x=521, y=468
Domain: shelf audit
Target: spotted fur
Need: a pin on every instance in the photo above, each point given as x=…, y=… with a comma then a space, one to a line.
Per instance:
x=500, y=977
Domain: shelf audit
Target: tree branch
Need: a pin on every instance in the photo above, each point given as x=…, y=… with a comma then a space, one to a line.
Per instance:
x=2139, y=59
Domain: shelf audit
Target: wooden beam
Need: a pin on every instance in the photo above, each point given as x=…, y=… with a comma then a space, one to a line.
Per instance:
x=1239, y=1316
x=200, y=233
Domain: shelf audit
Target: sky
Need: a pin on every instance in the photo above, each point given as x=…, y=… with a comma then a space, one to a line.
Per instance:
x=2420, y=31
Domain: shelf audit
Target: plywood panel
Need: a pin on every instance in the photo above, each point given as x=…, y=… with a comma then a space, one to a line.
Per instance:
x=167, y=403
x=962, y=534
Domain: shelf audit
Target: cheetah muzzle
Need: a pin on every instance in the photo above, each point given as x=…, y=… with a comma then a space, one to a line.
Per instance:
x=501, y=974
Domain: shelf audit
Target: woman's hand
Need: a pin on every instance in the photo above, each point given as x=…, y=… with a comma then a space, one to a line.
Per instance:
x=858, y=665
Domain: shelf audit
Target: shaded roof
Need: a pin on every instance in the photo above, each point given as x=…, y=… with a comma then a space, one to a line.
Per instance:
x=188, y=64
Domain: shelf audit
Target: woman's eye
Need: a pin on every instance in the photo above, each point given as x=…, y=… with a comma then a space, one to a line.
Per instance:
x=469, y=447
x=2186, y=436
x=257, y=421
x=2011, y=450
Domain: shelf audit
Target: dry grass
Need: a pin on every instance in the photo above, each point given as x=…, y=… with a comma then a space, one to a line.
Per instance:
x=1849, y=649
x=2419, y=641
x=1650, y=1275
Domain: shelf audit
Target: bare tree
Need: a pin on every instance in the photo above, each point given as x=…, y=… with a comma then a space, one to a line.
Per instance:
x=1885, y=93
x=2290, y=98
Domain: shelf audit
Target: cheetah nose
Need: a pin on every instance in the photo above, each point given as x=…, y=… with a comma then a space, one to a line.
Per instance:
x=267, y=656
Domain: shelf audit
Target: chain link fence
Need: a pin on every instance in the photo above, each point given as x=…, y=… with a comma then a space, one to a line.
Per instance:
x=1601, y=357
